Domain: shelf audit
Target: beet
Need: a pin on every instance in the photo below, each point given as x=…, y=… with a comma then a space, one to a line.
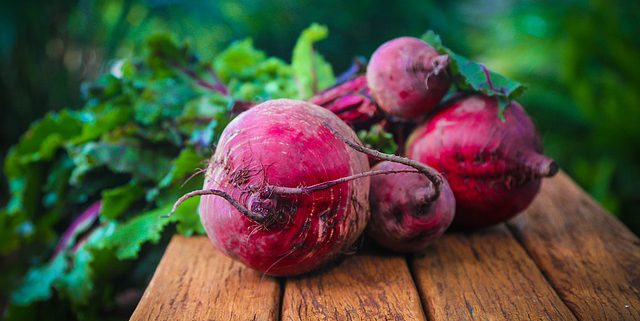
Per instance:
x=407, y=77
x=285, y=143
x=493, y=166
x=403, y=218
x=287, y=188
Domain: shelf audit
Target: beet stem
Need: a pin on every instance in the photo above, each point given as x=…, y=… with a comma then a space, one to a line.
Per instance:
x=245, y=211
x=427, y=171
x=331, y=183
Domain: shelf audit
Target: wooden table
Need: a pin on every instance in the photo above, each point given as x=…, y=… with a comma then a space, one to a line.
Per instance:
x=565, y=258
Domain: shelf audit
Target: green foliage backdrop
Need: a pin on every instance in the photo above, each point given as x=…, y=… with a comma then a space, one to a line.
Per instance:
x=578, y=58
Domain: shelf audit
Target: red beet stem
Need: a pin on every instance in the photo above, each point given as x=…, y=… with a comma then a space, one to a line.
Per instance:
x=79, y=224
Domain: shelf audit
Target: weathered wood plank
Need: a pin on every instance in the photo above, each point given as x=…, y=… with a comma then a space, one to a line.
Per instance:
x=196, y=282
x=485, y=275
x=589, y=257
x=363, y=287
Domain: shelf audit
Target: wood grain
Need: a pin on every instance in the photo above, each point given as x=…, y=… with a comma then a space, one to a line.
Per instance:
x=363, y=287
x=589, y=257
x=485, y=275
x=196, y=282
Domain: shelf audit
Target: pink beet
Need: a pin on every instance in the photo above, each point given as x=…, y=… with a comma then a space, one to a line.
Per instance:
x=403, y=218
x=407, y=77
x=287, y=188
x=494, y=167
x=285, y=143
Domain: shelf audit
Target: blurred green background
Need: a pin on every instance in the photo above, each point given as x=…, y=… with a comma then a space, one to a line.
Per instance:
x=580, y=60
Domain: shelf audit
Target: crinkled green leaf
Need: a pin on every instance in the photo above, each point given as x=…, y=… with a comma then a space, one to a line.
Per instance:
x=146, y=126
x=78, y=281
x=163, y=99
x=98, y=123
x=238, y=60
x=379, y=139
x=39, y=281
x=204, y=118
x=43, y=139
x=311, y=72
x=25, y=190
x=23, y=164
x=131, y=235
x=8, y=228
x=186, y=164
x=469, y=75
x=187, y=217
x=57, y=181
x=117, y=201
x=204, y=107
x=251, y=76
x=434, y=40
x=128, y=237
x=123, y=157
x=88, y=189
x=163, y=54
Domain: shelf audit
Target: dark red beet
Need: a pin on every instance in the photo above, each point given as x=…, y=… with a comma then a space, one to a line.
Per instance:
x=287, y=188
x=403, y=218
x=285, y=143
x=494, y=167
x=407, y=77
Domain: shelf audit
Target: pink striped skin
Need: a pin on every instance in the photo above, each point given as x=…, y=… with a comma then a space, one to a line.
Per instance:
x=351, y=102
x=401, y=219
x=285, y=143
x=494, y=167
x=407, y=77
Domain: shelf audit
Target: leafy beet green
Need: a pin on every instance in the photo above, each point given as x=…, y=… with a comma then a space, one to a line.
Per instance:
x=315, y=74
x=473, y=76
x=145, y=128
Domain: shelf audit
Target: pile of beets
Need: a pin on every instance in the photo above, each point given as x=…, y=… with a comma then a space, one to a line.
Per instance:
x=290, y=186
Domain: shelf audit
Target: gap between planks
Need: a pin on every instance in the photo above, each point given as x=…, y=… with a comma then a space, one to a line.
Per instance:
x=590, y=258
x=485, y=275
x=488, y=274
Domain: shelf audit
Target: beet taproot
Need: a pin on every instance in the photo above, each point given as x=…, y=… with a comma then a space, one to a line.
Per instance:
x=493, y=166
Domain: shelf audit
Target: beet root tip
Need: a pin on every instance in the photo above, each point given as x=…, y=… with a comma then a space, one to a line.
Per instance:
x=542, y=166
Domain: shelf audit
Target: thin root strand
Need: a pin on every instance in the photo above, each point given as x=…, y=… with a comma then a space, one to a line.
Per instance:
x=245, y=211
x=427, y=171
x=331, y=183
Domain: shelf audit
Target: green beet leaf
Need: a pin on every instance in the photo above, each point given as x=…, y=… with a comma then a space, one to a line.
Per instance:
x=471, y=76
x=311, y=71
x=39, y=282
x=116, y=201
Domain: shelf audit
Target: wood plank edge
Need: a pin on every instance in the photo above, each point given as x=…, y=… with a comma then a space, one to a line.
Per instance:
x=516, y=236
x=409, y=258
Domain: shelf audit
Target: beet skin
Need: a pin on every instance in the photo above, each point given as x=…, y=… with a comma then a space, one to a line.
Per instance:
x=285, y=143
x=493, y=166
x=403, y=219
x=407, y=77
